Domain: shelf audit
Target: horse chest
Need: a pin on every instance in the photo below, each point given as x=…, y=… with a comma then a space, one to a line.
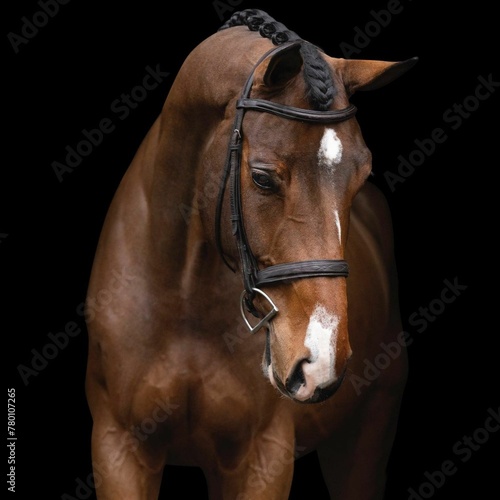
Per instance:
x=205, y=399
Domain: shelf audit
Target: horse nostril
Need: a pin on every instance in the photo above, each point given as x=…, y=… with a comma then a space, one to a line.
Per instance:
x=296, y=378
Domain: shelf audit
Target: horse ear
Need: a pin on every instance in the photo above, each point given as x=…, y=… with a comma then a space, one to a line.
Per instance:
x=371, y=75
x=283, y=66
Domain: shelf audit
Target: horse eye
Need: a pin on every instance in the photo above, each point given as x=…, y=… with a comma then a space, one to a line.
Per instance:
x=262, y=180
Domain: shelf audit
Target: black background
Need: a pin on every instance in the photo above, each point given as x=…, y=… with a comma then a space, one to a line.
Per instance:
x=65, y=79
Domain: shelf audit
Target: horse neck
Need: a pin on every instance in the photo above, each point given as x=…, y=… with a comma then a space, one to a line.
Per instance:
x=178, y=249
x=172, y=179
x=153, y=227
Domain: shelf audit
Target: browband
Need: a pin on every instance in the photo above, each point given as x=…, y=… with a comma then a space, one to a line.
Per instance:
x=307, y=115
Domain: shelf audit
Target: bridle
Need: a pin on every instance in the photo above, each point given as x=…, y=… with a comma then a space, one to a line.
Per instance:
x=253, y=277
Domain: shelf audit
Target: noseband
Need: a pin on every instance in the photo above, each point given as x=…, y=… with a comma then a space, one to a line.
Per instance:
x=253, y=277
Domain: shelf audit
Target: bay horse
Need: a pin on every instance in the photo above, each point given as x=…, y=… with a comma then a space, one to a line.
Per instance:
x=227, y=342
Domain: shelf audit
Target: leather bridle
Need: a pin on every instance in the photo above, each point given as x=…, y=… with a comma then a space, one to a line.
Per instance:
x=253, y=277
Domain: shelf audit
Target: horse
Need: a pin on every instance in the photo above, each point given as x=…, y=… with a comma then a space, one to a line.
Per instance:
x=251, y=280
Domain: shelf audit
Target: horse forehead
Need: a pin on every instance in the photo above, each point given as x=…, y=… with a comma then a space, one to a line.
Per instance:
x=330, y=149
x=293, y=138
x=325, y=146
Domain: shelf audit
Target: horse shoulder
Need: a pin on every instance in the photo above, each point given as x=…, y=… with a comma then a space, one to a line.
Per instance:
x=373, y=288
x=372, y=211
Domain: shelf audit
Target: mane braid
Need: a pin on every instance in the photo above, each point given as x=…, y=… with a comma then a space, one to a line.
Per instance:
x=316, y=72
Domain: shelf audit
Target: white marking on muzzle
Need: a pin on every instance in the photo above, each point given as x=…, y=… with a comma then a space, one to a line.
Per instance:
x=321, y=340
x=330, y=149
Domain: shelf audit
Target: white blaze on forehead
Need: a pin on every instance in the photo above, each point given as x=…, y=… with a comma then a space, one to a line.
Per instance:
x=330, y=149
x=321, y=340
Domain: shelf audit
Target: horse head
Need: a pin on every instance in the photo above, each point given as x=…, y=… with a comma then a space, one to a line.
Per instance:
x=295, y=159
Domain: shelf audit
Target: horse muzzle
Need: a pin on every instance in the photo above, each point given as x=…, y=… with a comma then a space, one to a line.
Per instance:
x=305, y=391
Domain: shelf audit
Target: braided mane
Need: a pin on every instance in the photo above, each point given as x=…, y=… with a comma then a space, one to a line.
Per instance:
x=316, y=72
